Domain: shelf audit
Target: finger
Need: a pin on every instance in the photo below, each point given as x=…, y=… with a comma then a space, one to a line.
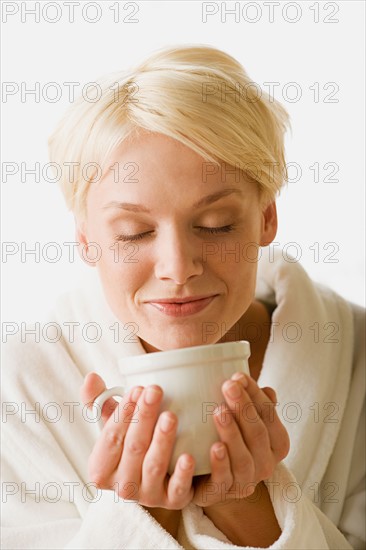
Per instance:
x=253, y=429
x=270, y=393
x=93, y=386
x=139, y=435
x=241, y=460
x=265, y=401
x=218, y=484
x=180, y=491
x=279, y=438
x=157, y=458
x=106, y=454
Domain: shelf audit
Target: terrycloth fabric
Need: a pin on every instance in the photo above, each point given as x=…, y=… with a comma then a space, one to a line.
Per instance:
x=314, y=361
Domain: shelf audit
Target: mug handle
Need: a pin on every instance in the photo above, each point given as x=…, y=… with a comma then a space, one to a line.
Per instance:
x=101, y=399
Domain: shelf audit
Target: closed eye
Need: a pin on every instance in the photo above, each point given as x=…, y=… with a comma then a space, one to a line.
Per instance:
x=131, y=238
x=215, y=230
x=139, y=236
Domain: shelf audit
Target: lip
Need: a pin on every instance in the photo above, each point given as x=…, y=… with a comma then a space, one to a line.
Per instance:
x=182, y=307
x=180, y=300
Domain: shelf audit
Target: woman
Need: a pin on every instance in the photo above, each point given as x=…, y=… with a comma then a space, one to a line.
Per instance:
x=176, y=169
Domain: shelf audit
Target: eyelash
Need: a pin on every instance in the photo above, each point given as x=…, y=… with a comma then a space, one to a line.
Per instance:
x=210, y=230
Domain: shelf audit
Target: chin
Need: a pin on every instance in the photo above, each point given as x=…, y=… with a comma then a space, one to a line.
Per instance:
x=168, y=342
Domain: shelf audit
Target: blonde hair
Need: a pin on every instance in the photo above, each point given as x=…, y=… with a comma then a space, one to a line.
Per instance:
x=196, y=94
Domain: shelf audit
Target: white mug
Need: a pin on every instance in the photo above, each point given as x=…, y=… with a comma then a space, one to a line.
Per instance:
x=191, y=379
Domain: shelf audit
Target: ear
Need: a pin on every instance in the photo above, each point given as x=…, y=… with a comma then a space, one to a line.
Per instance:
x=269, y=224
x=82, y=240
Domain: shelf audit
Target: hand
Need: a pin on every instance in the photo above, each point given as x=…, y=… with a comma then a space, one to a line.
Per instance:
x=132, y=454
x=253, y=441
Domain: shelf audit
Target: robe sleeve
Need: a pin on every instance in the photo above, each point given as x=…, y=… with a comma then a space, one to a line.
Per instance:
x=303, y=525
x=352, y=521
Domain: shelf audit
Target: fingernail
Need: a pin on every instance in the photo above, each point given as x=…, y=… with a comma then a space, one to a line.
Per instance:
x=220, y=452
x=152, y=395
x=185, y=463
x=167, y=422
x=232, y=389
x=240, y=377
x=136, y=393
x=224, y=416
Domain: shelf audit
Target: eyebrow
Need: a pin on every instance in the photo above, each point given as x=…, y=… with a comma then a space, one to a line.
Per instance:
x=205, y=201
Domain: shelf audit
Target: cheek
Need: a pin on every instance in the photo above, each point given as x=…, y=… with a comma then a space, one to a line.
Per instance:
x=232, y=257
x=114, y=256
x=235, y=262
x=123, y=269
x=240, y=278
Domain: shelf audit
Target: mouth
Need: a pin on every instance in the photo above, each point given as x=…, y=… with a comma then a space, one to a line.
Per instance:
x=182, y=307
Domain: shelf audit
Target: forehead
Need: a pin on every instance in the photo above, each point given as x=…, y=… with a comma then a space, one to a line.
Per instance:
x=155, y=154
x=154, y=166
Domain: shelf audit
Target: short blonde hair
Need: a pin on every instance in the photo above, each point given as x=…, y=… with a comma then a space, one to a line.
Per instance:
x=196, y=94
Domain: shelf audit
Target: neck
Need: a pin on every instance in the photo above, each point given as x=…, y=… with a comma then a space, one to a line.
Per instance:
x=168, y=519
x=255, y=327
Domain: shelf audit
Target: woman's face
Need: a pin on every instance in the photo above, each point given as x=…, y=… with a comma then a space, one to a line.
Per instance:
x=179, y=239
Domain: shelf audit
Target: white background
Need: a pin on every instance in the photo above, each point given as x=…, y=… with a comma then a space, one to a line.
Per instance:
x=305, y=52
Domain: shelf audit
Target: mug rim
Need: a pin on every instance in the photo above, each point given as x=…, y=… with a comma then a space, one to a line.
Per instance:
x=189, y=356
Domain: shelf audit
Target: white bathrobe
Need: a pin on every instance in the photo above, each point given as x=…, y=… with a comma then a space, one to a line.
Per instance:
x=314, y=361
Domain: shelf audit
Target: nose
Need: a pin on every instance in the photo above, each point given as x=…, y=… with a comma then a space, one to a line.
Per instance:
x=178, y=257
